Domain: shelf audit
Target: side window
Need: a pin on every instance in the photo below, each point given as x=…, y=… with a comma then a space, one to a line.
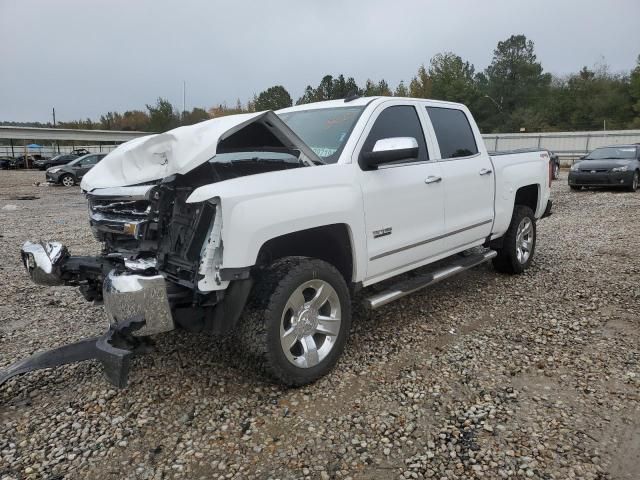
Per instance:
x=453, y=132
x=398, y=121
x=92, y=160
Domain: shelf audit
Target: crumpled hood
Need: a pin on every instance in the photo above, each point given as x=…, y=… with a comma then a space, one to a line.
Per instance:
x=180, y=150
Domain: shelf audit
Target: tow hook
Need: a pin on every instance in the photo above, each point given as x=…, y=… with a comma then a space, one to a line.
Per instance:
x=113, y=350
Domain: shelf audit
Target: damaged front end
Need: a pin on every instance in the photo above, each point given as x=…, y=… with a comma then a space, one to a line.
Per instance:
x=161, y=262
x=146, y=276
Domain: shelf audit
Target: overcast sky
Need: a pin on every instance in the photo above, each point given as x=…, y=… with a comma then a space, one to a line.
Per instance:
x=87, y=57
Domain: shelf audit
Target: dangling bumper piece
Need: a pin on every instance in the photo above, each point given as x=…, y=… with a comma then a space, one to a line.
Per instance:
x=113, y=350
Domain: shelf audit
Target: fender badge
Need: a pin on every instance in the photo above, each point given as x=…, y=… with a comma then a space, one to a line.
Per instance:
x=381, y=233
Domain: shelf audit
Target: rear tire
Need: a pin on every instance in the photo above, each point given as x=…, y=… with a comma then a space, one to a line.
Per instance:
x=68, y=180
x=518, y=244
x=297, y=320
x=556, y=171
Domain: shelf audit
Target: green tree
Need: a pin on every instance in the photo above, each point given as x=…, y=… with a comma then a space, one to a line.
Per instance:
x=401, y=90
x=111, y=121
x=597, y=96
x=135, y=120
x=420, y=85
x=515, y=77
x=634, y=92
x=194, y=116
x=330, y=88
x=452, y=79
x=273, y=98
x=162, y=116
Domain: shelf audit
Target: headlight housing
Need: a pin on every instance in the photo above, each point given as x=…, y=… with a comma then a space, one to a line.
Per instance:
x=575, y=166
x=620, y=169
x=54, y=169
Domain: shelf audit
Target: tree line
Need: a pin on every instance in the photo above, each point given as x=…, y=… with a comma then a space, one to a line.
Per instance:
x=512, y=94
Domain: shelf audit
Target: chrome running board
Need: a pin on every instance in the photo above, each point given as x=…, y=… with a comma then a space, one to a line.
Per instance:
x=406, y=287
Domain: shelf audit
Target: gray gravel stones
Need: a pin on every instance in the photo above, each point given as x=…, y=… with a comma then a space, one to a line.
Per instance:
x=483, y=376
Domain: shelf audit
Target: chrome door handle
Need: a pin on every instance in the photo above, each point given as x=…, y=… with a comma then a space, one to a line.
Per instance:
x=486, y=171
x=432, y=179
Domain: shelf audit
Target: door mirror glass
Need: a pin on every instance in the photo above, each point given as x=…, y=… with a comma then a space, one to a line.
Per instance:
x=387, y=150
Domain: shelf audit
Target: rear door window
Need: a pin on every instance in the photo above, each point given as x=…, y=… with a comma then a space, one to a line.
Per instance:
x=453, y=132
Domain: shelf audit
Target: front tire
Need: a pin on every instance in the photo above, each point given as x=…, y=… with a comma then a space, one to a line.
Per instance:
x=574, y=187
x=68, y=180
x=298, y=319
x=519, y=243
x=556, y=171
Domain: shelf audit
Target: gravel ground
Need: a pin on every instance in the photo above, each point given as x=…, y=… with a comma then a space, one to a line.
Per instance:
x=482, y=376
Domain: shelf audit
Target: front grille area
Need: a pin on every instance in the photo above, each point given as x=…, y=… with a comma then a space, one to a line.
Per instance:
x=594, y=170
x=121, y=221
x=120, y=208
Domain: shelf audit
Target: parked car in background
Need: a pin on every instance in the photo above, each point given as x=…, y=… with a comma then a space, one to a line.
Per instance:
x=615, y=166
x=5, y=163
x=62, y=159
x=19, y=161
x=79, y=152
x=71, y=173
x=555, y=165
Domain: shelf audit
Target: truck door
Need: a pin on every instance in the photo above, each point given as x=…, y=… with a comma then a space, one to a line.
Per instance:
x=403, y=201
x=467, y=177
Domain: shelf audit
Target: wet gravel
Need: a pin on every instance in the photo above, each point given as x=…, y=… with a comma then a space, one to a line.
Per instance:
x=482, y=376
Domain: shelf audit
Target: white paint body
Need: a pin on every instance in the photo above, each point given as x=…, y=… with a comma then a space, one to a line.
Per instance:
x=429, y=221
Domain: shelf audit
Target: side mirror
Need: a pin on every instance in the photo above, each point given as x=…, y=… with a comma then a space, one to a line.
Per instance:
x=387, y=150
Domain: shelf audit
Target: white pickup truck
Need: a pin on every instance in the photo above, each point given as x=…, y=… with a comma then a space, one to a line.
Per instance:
x=265, y=224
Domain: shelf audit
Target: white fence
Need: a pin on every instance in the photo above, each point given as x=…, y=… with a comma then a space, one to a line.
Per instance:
x=568, y=145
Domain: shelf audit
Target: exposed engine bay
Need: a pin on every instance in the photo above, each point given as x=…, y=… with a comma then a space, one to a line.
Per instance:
x=152, y=227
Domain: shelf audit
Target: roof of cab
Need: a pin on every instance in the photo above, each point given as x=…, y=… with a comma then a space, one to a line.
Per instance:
x=357, y=102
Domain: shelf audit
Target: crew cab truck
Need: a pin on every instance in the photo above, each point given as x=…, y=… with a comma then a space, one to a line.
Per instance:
x=265, y=224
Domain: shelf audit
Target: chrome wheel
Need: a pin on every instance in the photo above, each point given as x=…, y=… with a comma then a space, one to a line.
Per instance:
x=556, y=171
x=524, y=240
x=310, y=323
x=68, y=181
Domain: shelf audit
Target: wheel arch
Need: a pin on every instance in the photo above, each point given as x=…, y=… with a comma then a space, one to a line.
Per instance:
x=332, y=243
x=528, y=196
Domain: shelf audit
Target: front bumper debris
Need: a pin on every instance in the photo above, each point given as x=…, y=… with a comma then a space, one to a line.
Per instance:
x=136, y=305
x=127, y=294
x=43, y=261
x=113, y=350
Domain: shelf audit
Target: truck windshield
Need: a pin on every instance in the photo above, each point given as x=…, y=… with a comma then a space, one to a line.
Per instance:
x=612, y=153
x=324, y=130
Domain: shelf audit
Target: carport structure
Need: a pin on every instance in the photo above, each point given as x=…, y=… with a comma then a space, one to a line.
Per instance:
x=33, y=134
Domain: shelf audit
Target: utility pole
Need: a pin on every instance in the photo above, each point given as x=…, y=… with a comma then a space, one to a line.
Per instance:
x=54, y=126
x=184, y=98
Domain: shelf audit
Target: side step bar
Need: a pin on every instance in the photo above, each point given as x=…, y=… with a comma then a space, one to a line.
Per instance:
x=406, y=287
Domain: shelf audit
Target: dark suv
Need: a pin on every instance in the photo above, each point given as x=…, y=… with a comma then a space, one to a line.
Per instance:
x=71, y=173
x=54, y=161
